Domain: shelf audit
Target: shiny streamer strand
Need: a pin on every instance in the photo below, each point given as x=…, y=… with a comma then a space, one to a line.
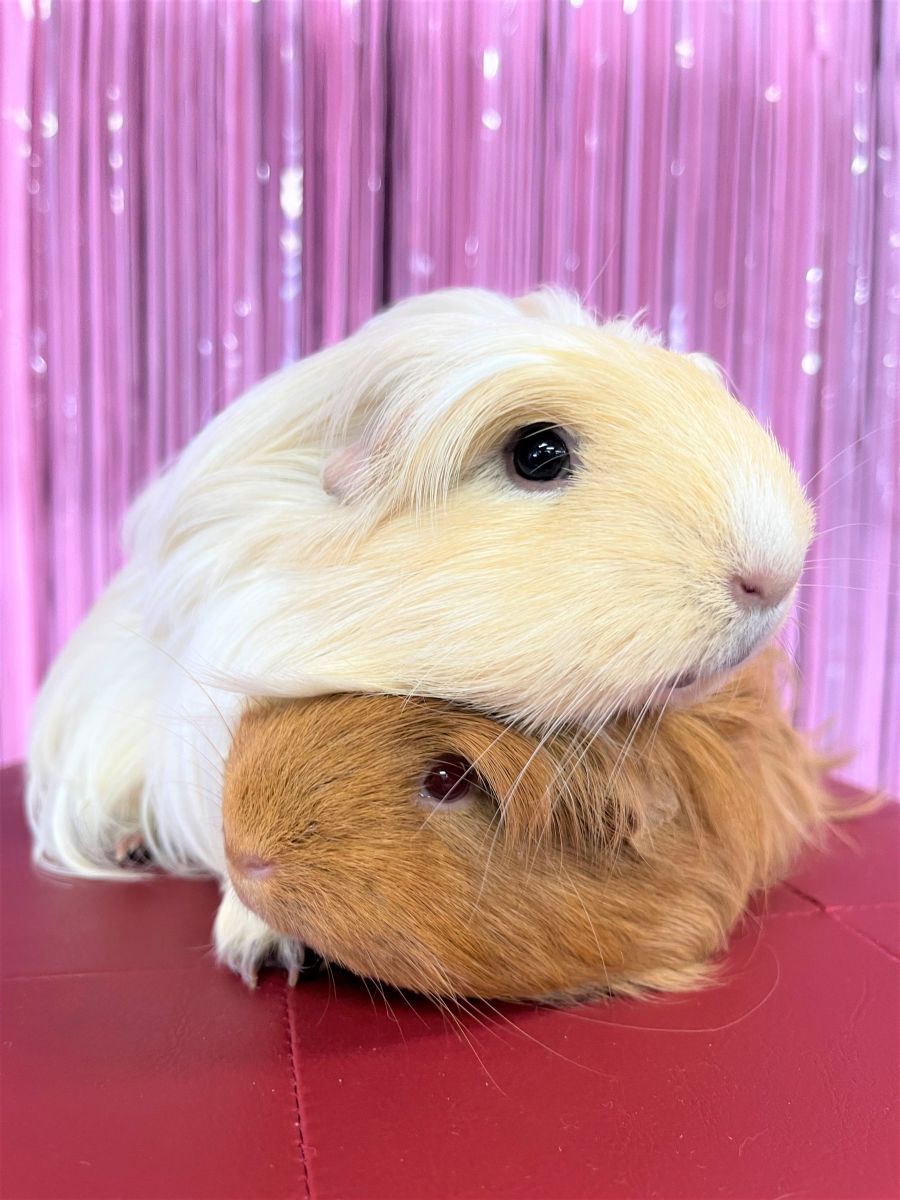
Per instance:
x=194, y=194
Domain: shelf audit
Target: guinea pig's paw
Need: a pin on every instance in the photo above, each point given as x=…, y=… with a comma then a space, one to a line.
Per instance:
x=131, y=852
x=244, y=943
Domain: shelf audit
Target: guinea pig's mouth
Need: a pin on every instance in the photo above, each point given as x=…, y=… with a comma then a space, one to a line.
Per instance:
x=685, y=679
x=703, y=675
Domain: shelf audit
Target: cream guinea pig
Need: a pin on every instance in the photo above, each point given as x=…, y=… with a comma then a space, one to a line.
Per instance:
x=496, y=502
x=433, y=848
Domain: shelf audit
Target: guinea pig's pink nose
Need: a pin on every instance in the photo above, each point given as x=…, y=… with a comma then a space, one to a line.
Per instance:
x=760, y=589
x=251, y=866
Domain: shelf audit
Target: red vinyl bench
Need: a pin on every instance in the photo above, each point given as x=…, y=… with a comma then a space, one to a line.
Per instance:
x=134, y=1067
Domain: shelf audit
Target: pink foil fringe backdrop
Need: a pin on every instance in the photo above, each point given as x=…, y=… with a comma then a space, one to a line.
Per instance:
x=195, y=193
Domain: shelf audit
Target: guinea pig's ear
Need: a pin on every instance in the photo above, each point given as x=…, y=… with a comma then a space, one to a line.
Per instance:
x=542, y=789
x=345, y=473
x=705, y=363
x=571, y=790
x=554, y=304
x=366, y=467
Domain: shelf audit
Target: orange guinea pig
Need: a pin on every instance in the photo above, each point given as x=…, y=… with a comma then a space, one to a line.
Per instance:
x=436, y=849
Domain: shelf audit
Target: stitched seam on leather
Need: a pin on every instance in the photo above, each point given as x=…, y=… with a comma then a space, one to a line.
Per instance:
x=866, y=937
x=828, y=908
x=833, y=912
x=816, y=910
x=295, y=1087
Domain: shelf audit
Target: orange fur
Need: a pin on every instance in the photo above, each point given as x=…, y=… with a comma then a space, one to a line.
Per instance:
x=613, y=865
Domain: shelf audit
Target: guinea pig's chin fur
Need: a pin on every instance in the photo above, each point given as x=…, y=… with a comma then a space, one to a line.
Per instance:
x=250, y=893
x=283, y=911
x=701, y=681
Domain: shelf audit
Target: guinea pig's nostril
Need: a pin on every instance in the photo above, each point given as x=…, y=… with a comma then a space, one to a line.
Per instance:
x=749, y=587
x=251, y=866
x=759, y=590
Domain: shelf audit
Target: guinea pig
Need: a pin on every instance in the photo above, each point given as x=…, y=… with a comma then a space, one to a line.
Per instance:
x=435, y=849
x=499, y=503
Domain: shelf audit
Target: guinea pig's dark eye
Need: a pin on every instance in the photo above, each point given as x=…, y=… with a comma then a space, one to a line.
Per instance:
x=448, y=779
x=540, y=455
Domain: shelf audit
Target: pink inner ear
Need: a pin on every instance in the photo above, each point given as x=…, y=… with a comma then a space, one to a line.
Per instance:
x=343, y=471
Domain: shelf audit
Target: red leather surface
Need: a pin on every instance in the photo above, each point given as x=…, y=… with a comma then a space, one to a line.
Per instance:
x=133, y=1067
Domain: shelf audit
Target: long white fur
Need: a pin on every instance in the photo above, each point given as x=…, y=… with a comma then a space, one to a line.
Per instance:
x=245, y=578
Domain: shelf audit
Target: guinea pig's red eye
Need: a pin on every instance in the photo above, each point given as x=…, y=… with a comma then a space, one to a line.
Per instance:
x=540, y=455
x=448, y=779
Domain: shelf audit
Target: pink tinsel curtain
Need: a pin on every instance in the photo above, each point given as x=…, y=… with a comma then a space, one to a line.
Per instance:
x=192, y=193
